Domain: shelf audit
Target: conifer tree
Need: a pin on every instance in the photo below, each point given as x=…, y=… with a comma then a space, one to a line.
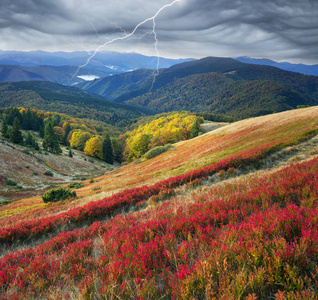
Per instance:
x=16, y=134
x=195, y=129
x=67, y=131
x=51, y=140
x=117, y=149
x=36, y=145
x=29, y=139
x=108, y=155
x=41, y=130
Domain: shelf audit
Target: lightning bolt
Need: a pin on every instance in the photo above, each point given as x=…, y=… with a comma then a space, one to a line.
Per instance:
x=128, y=35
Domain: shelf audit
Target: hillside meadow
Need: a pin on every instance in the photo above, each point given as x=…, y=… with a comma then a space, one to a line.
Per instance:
x=182, y=225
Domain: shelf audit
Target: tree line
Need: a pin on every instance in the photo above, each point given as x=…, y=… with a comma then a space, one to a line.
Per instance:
x=14, y=120
x=54, y=130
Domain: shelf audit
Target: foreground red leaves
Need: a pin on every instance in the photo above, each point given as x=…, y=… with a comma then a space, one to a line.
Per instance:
x=239, y=241
x=106, y=207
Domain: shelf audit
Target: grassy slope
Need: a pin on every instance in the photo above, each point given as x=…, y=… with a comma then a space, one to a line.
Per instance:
x=272, y=131
x=27, y=169
x=217, y=145
x=189, y=240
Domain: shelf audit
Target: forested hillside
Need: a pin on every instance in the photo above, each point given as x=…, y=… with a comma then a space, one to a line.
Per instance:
x=78, y=103
x=214, y=85
x=117, y=85
x=163, y=130
x=220, y=94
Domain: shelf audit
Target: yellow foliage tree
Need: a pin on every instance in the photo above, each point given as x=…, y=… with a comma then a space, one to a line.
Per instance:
x=79, y=139
x=167, y=128
x=94, y=147
x=60, y=132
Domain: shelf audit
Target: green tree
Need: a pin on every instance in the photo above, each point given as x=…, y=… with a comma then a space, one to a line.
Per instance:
x=51, y=140
x=195, y=129
x=108, y=155
x=16, y=134
x=60, y=133
x=70, y=153
x=67, y=131
x=29, y=139
x=4, y=127
x=41, y=130
x=36, y=145
x=117, y=149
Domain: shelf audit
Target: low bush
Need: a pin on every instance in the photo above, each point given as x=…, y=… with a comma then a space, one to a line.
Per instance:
x=75, y=185
x=48, y=173
x=302, y=106
x=156, y=151
x=58, y=194
x=11, y=182
x=5, y=202
x=35, y=173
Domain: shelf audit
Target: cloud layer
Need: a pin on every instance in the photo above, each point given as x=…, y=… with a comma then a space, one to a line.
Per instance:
x=277, y=29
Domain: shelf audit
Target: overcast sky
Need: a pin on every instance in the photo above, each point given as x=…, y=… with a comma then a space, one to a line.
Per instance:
x=283, y=30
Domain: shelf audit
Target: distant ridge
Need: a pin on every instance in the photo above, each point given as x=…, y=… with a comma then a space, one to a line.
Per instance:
x=212, y=84
x=57, y=74
x=300, y=68
x=112, y=62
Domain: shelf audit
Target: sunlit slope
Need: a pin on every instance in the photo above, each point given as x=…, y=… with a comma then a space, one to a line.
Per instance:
x=235, y=145
x=247, y=237
x=273, y=131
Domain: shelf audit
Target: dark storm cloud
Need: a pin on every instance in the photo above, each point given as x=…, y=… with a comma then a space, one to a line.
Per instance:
x=276, y=29
x=31, y=14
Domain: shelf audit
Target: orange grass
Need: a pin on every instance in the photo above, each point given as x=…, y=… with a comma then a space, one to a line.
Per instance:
x=281, y=129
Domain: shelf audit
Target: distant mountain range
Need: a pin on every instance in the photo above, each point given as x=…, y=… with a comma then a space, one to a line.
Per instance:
x=108, y=62
x=300, y=68
x=217, y=85
x=68, y=75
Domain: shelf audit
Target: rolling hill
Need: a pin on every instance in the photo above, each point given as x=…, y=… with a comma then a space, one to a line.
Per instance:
x=57, y=74
x=216, y=85
x=186, y=224
x=117, y=85
x=48, y=96
x=219, y=94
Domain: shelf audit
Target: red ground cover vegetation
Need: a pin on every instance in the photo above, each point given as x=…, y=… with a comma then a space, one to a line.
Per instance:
x=256, y=239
